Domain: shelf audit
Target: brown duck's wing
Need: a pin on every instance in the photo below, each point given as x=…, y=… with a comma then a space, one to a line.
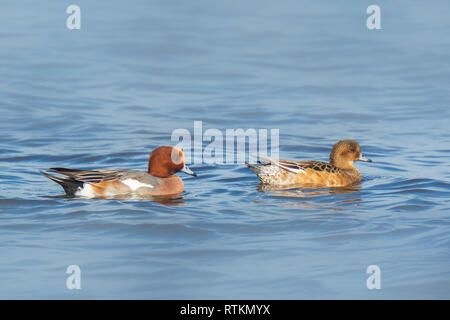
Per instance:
x=301, y=166
x=290, y=166
x=318, y=166
x=92, y=176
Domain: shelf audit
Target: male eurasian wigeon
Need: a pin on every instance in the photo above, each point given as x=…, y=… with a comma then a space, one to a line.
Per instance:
x=338, y=172
x=159, y=180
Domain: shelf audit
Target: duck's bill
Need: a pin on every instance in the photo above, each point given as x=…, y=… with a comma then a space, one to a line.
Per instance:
x=364, y=159
x=188, y=171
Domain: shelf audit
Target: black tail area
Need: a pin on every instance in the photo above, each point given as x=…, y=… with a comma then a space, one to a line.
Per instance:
x=69, y=185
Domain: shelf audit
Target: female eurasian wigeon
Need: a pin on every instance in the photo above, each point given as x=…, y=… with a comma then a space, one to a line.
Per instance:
x=158, y=181
x=338, y=172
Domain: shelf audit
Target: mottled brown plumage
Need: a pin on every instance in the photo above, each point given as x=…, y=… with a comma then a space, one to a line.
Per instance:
x=338, y=172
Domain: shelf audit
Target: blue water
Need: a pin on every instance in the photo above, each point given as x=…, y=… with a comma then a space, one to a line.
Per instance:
x=106, y=95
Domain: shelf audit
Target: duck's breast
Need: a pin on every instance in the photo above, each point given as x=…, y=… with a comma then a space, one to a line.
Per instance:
x=327, y=179
x=168, y=186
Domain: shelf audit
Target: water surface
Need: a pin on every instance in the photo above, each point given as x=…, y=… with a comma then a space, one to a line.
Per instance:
x=106, y=95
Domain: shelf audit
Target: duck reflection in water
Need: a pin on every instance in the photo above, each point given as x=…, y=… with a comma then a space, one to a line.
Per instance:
x=351, y=193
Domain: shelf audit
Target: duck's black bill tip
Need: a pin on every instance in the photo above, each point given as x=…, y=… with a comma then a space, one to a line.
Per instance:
x=186, y=170
x=364, y=159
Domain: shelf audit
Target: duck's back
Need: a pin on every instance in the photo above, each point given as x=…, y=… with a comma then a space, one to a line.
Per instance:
x=315, y=174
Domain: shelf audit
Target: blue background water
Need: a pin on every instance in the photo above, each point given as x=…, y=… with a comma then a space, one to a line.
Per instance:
x=106, y=95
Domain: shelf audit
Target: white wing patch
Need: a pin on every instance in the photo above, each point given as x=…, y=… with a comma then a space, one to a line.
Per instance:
x=134, y=184
x=86, y=191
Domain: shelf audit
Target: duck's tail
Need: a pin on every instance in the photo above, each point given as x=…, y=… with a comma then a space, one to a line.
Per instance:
x=69, y=185
x=255, y=169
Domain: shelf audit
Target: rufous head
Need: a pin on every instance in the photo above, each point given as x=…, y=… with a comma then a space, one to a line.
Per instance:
x=345, y=152
x=165, y=161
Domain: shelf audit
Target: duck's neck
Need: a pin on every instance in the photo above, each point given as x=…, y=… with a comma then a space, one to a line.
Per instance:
x=345, y=165
x=158, y=170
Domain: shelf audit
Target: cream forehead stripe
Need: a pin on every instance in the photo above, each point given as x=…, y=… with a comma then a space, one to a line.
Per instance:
x=177, y=155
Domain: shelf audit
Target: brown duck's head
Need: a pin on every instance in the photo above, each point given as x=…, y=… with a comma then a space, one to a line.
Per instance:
x=165, y=161
x=345, y=152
